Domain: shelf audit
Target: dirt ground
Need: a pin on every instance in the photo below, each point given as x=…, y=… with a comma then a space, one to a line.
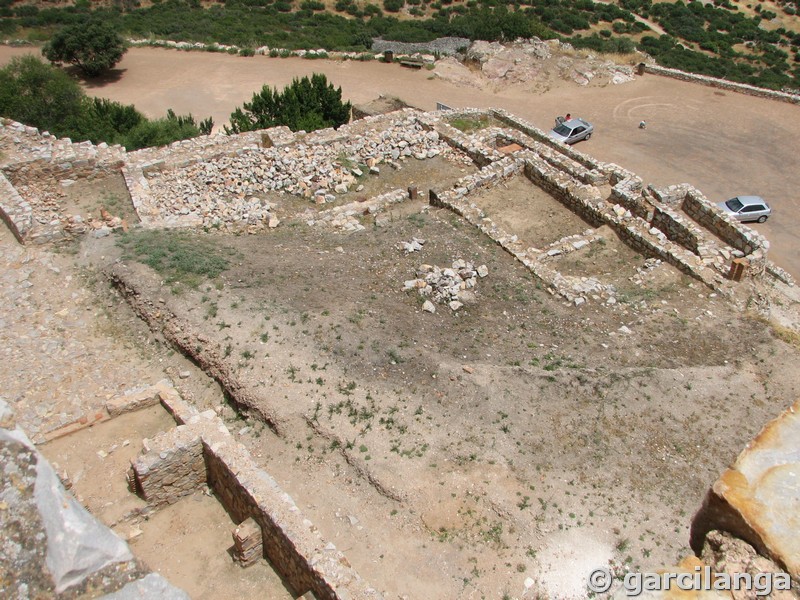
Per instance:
x=505, y=449
x=463, y=455
x=723, y=143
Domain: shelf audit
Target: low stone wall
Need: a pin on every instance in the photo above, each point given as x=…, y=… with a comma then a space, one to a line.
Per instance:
x=202, y=451
x=723, y=84
x=172, y=467
x=742, y=241
x=15, y=212
x=480, y=153
x=542, y=137
x=676, y=229
x=586, y=202
x=345, y=217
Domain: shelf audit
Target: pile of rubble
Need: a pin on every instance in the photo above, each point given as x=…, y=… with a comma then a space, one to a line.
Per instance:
x=451, y=286
x=219, y=189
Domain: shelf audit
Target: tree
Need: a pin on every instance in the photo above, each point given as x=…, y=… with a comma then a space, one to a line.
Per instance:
x=307, y=104
x=93, y=47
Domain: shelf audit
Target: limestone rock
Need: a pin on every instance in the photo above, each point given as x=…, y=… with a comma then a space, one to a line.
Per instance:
x=758, y=498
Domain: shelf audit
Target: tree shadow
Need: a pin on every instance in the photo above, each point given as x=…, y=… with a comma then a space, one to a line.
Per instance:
x=105, y=78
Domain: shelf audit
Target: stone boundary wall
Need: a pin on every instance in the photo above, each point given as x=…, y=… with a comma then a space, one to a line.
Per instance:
x=586, y=202
x=723, y=84
x=627, y=192
x=345, y=216
x=557, y=159
x=14, y=210
x=480, y=153
x=202, y=451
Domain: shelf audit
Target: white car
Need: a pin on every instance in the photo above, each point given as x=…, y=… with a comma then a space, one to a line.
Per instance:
x=747, y=208
x=572, y=131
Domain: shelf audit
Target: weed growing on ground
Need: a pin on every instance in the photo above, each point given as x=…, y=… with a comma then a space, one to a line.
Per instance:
x=181, y=258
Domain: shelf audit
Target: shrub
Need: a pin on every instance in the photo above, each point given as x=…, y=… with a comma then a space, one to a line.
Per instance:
x=393, y=5
x=40, y=95
x=307, y=104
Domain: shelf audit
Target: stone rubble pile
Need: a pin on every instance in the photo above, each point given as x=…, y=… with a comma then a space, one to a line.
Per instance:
x=415, y=245
x=219, y=190
x=644, y=272
x=447, y=286
x=346, y=216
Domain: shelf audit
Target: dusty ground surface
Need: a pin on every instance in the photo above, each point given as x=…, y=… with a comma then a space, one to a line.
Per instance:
x=465, y=454
x=453, y=455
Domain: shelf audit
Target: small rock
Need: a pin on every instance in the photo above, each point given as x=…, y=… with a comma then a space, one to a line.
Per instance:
x=429, y=306
x=624, y=330
x=468, y=369
x=184, y=374
x=483, y=271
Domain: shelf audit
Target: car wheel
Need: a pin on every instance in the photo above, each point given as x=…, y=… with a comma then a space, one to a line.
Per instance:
x=588, y=135
x=762, y=218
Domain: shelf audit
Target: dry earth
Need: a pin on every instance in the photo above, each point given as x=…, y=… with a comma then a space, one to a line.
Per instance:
x=503, y=449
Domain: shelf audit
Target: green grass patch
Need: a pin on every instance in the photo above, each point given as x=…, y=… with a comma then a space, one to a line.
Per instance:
x=180, y=257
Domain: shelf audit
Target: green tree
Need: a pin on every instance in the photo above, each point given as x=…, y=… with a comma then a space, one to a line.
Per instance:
x=93, y=47
x=307, y=104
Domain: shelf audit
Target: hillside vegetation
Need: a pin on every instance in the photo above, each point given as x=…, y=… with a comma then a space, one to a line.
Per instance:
x=751, y=43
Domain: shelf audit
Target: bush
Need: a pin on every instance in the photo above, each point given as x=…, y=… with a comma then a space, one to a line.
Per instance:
x=42, y=96
x=307, y=104
x=393, y=5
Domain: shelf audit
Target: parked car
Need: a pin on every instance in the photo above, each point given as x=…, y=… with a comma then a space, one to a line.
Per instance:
x=747, y=208
x=572, y=131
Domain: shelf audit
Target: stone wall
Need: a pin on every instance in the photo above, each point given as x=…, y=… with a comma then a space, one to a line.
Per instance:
x=15, y=212
x=723, y=84
x=172, y=467
x=741, y=239
x=202, y=451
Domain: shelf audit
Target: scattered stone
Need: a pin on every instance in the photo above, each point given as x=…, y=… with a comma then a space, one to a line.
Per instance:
x=184, y=374
x=429, y=306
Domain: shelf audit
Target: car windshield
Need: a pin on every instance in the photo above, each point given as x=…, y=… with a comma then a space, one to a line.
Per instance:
x=734, y=204
x=563, y=130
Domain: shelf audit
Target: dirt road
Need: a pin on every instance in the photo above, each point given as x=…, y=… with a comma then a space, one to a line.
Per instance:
x=723, y=143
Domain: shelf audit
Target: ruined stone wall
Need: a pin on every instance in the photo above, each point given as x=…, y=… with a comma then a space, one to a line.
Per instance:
x=258, y=496
x=723, y=84
x=14, y=210
x=741, y=239
x=543, y=138
x=173, y=467
x=676, y=229
x=202, y=451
